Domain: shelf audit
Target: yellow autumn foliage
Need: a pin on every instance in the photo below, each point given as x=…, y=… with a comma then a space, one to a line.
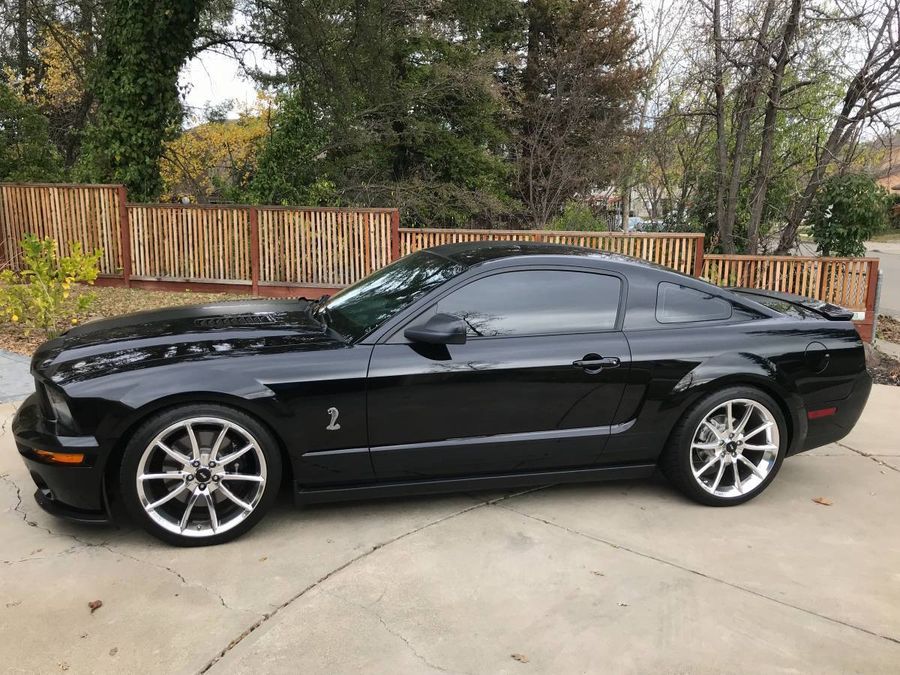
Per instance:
x=213, y=157
x=62, y=83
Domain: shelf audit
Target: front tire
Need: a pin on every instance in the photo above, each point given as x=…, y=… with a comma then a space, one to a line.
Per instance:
x=199, y=475
x=728, y=447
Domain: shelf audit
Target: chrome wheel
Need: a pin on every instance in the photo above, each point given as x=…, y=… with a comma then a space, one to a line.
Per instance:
x=201, y=476
x=734, y=448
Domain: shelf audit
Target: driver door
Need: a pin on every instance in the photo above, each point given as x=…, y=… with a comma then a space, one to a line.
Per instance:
x=511, y=399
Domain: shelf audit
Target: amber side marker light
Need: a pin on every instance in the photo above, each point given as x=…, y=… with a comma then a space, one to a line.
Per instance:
x=824, y=412
x=61, y=457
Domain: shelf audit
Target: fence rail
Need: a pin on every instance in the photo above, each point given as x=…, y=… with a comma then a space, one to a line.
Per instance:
x=275, y=250
x=680, y=251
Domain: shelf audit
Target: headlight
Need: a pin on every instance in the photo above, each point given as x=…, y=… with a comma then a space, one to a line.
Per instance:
x=60, y=407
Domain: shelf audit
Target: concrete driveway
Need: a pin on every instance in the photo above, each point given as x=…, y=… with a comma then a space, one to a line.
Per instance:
x=618, y=577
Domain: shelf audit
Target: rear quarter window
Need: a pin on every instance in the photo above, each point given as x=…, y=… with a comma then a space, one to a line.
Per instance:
x=680, y=304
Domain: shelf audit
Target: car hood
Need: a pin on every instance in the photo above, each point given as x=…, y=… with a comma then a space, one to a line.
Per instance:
x=179, y=333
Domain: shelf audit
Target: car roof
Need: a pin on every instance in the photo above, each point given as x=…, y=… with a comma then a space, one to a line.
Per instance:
x=470, y=254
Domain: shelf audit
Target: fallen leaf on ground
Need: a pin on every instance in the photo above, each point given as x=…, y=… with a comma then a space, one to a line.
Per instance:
x=824, y=501
x=521, y=658
x=95, y=605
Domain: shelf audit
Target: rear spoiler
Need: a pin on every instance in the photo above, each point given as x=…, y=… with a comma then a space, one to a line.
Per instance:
x=826, y=309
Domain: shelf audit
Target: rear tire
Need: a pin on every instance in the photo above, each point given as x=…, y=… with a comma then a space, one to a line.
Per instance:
x=727, y=448
x=198, y=475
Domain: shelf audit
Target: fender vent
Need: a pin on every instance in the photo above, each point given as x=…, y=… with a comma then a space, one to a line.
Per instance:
x=238, y=320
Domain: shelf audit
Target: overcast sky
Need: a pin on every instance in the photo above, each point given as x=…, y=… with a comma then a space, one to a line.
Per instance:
x=214, y=78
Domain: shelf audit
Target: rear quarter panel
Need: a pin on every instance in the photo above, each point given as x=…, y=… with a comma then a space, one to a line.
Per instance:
x=672, y=368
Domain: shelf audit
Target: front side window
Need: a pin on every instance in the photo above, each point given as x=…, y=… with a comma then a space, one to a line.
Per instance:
x=359, y=309
x=536, y=302
x=679, y=304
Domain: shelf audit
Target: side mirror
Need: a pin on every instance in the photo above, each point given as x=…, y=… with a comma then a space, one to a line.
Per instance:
x=440, y=329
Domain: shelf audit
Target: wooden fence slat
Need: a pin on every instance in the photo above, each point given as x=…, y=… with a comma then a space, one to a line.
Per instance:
x=842, y=281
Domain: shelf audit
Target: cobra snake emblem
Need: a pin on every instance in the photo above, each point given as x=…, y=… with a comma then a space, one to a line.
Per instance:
x=333, y=424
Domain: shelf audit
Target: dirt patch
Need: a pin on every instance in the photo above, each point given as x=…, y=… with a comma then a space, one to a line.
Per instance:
x=888, y=328
x=884, y=369
x=109, y=302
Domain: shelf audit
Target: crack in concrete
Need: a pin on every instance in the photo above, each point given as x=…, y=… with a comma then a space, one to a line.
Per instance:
x=392, y=631
x=869, y=456
x=175, y=573
x=82, y=544
x=18, y=508
x=340, y=568
x=703, y=575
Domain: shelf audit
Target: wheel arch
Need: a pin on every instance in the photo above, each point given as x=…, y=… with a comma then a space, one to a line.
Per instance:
x=155, y=407
x=789, y=402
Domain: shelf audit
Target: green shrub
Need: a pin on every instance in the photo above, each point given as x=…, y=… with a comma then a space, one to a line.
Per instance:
x=577, y=217
x=40, y=296
x=848, y=211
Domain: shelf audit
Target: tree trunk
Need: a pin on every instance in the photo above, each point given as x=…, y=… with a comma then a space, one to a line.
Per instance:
x=725, y=233
x=626, y=206
x=761, y=184
x=754, y=86
x=836, y=140
x=22, y=45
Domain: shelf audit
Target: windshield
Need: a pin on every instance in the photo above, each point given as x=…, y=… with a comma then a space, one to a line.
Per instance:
x=359, y=309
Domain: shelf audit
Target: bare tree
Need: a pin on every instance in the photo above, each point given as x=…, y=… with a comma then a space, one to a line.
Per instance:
x=767, y=145
x=660, y=27
x=873, y=91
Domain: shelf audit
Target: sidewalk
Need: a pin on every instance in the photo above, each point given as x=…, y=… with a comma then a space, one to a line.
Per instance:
x=15, y=379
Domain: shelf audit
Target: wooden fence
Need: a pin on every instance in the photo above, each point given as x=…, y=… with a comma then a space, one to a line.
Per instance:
x=680, y=251
x=324, y=247
x=272, y=250
x=848, y=282
x=90, y=214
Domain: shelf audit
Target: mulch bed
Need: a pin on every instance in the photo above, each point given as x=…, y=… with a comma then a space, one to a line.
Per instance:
x=888, y=328
x=885, y=371
x=109, y=302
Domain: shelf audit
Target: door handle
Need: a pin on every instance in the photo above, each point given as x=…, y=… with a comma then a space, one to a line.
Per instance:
x=592, y=363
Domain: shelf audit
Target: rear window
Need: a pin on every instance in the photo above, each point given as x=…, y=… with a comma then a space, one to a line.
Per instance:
x=680, y=304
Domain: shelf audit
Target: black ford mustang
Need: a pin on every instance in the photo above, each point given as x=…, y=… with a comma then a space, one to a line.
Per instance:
x=460, y=367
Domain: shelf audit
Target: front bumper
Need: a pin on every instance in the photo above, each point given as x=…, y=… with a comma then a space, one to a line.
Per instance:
x=75, y=492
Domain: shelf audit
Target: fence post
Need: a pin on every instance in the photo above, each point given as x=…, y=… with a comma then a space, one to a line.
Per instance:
x=871, y=299
x=124, y=235
x=254, y=250
x=878, y=286
x=395, y=234
x=699, y=245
